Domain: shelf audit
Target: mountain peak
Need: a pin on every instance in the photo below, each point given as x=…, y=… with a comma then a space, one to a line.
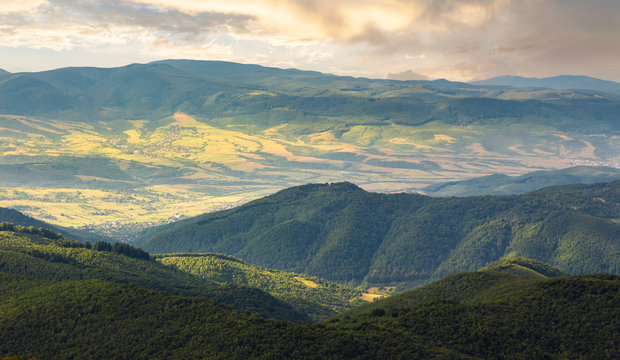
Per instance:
x=525, y=267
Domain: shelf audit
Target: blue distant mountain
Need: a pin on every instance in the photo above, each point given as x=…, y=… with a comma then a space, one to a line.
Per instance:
x=500, y=184
x=564, y=82
x=3, y=72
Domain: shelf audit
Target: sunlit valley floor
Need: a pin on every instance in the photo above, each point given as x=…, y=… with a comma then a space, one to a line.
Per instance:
x=122, y=179
x=115, y=150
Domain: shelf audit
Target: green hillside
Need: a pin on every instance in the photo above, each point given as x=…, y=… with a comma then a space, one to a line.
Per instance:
x=491, y=315
x=479, y=315
x=498, y=279
x=499, y=184
x=95, y=319
x=40, y=257
x=310, y=295
x=16, y=217
x=343, y=233
x=117, y=149
x=216, y=89
x=525, y=267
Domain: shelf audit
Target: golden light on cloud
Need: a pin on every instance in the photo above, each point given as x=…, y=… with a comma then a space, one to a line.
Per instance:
x=471, y=14
x=14, y=6
x=456, y=39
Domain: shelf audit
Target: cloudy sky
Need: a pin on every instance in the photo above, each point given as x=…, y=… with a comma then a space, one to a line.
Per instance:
x=402, y=39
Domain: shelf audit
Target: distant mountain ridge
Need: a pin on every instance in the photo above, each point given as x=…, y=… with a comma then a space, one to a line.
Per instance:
x=343, y=233
x=215, y=88
x=562, y=82
x=500, y=184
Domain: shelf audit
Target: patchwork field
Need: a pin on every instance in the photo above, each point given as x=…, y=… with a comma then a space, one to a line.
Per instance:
x=183, y=166
x=100, y=148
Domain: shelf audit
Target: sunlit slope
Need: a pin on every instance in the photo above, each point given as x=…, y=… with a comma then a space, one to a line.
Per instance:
x=524, y=267
x=142, y=141
x=43, y=258
x=341, y=232
x=316, y=297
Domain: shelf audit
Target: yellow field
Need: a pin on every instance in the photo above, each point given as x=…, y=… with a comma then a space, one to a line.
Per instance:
x=387, y=158
x=87, y=207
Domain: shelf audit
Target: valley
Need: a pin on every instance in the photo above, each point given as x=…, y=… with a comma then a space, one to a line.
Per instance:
x=267, y=180
x=191, y=209
x=116, y=156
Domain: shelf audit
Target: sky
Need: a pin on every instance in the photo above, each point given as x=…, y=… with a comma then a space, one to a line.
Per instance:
x=459, y=40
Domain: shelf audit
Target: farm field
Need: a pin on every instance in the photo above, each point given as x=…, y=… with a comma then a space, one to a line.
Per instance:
x=200, y=168
x=114, y=154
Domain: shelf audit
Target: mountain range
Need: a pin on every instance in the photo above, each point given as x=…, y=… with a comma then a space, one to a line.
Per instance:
x=563, y=82
x=99, y=148
x=199, y=163
x=500, y=184
x=343, y=233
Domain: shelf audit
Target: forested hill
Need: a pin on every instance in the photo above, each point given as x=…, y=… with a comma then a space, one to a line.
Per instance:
x=316, y=297
x=343, y=233
x=494, y=315
x=33, y=254
x=474, y=315
x=16, y=217
x=214, y=89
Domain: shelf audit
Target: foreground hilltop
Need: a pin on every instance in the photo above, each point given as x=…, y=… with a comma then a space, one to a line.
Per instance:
x=44, y=255
x=343, y=233
x=488, y=314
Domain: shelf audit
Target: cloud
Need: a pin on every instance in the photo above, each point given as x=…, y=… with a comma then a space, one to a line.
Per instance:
x=406, y=75
x=13, y=6
x=62, y=24
x=458, y=39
